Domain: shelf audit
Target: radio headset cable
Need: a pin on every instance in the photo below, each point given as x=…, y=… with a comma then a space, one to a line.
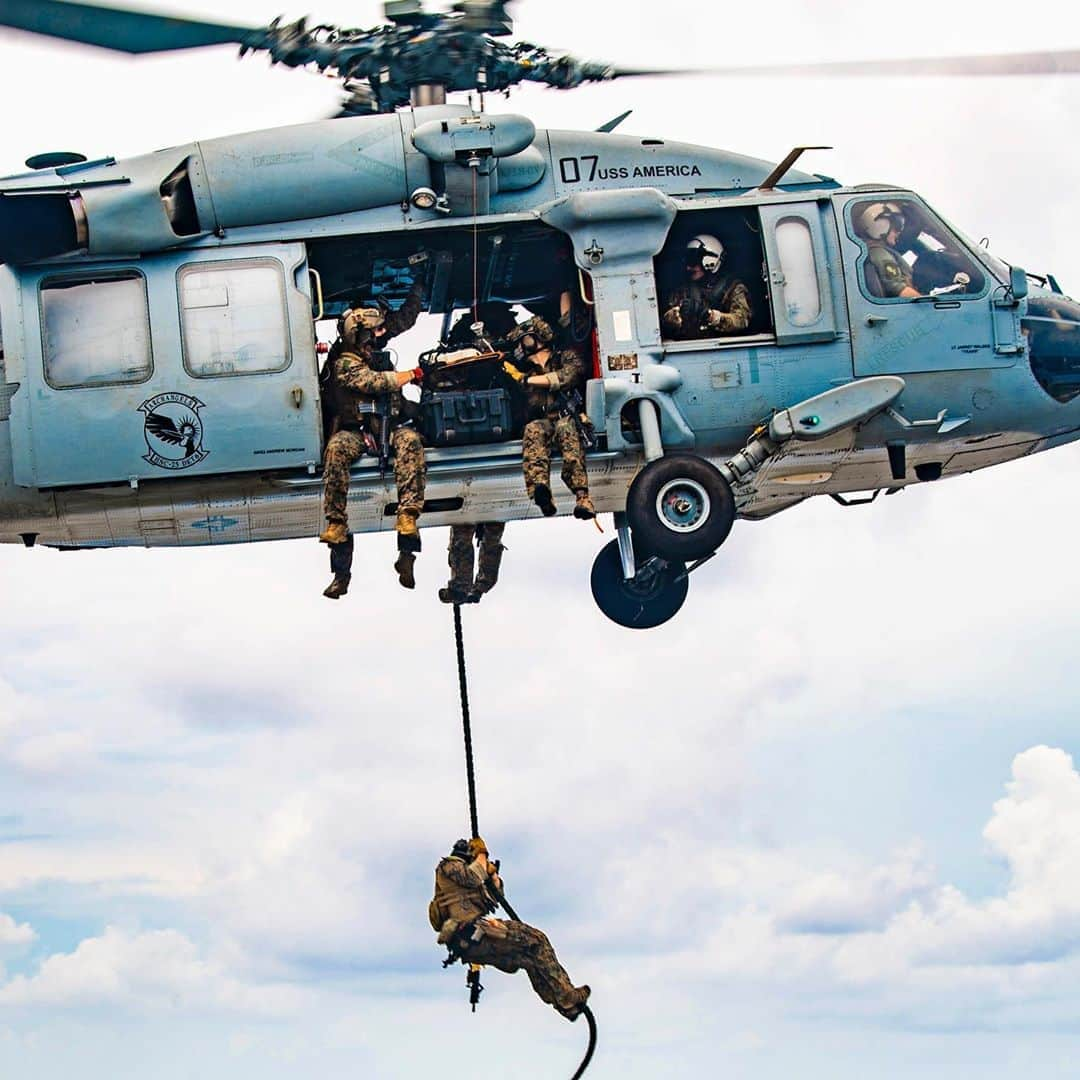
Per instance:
x=474, y=824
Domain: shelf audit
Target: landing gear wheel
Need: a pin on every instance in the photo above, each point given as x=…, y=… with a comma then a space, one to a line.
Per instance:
x=680, y=507
x=653, y=597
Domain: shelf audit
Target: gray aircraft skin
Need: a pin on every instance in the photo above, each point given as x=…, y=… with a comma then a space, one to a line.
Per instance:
x=206, y=262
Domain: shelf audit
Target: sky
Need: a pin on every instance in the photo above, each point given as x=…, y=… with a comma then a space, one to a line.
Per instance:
x=824, y=823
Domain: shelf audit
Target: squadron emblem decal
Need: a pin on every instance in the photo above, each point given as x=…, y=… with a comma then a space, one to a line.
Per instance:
x=173, y=431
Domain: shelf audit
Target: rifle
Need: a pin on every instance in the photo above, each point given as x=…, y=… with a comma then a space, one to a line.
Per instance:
x=381, y=409
x=472, y=981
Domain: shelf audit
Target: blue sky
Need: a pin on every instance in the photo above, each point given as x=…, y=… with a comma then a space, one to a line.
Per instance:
x=826, y=822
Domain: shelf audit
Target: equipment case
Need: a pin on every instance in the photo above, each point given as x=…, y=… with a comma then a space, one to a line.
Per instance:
x=458, y=418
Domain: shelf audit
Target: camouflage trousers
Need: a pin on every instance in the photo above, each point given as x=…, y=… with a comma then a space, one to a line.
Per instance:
x=509, y=946
x=488, y=536
x=347, y=447
x=536, y=454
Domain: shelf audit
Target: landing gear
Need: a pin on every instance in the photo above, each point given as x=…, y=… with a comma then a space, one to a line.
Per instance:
x=680, y=508
x=652, y=596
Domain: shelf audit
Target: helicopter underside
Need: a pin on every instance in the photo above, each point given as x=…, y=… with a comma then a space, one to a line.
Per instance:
x=284, y=507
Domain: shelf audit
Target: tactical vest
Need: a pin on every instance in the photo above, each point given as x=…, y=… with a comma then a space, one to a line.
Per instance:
x=459, y=904
x=339, y=402
x=544, y=403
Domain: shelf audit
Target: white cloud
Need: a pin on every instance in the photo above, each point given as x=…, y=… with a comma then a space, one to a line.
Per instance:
x=198, y=739
x=13, y=934
x=141, y=971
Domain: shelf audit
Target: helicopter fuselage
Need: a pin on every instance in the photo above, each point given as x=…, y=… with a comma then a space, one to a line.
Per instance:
x=160, y=377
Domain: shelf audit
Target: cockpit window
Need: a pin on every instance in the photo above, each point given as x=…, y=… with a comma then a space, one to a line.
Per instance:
x=1052, y=327
x=911, y=253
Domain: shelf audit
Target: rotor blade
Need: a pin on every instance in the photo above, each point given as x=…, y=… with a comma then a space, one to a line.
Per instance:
x=1034, y=63
x=114, y=28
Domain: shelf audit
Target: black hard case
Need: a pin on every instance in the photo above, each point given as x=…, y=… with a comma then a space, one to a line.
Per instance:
x=464, y=417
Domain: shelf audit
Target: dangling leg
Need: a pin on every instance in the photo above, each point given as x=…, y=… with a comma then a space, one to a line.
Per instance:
x=461, y=560
x=341, y=451
x=490, y=535
x=410, y=472
x=341, y=558
x=536, y=459
x=511, y=945
x=574, y=474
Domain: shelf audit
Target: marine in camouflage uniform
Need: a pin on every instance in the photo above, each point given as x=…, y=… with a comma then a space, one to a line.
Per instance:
x=461, y=912
x=716, y=304
x=554, y=369
x=461, y=588
x=355, y=380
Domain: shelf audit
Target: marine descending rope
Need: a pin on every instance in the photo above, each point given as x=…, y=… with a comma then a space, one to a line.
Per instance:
x=470, y=775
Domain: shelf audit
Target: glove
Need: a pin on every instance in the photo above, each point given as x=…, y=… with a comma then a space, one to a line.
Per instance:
x=417, y=374
x=960, y=282
x=673, y=318
x=476, y=846
x=513, y=372
x=715, y=320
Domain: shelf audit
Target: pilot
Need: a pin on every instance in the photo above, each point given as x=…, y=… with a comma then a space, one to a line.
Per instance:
x=881, y=226
x=462, y=588
x=461, y=912
x=355, y=379
x=708, y=303
x=548, y=373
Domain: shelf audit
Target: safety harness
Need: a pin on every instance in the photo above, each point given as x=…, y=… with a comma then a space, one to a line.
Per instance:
x=463, y=936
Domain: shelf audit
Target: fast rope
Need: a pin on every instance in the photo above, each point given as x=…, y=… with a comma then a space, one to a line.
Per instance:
x=470, y=775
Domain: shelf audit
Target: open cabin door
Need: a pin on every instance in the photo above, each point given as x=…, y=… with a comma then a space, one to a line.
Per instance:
x=191, y=363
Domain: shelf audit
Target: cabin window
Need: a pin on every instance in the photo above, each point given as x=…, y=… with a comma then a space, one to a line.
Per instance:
x=711, y=277
x=910, y=253
x=95, y=331
x=802, y=292
x=234, y=318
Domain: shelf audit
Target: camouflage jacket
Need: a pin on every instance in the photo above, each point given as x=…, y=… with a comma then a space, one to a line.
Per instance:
x=355, y=378
x=461, y=895
x=724, y=304
x=569, y=369
x=893, y=274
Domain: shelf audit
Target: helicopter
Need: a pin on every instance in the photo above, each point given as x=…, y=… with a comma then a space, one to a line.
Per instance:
x=160, y=376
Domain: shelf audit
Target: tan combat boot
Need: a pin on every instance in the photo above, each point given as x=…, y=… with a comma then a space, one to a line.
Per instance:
x=573, y=1010
x=337, y=588
x=336, y=532
x=583, y=508
x=406, y=524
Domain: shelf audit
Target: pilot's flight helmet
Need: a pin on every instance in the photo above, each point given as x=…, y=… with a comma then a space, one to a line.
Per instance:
x=878, y=219
x=705, y=251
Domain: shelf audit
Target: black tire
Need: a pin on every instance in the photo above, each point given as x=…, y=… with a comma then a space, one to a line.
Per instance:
x=639, y=605
x=680, y=507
